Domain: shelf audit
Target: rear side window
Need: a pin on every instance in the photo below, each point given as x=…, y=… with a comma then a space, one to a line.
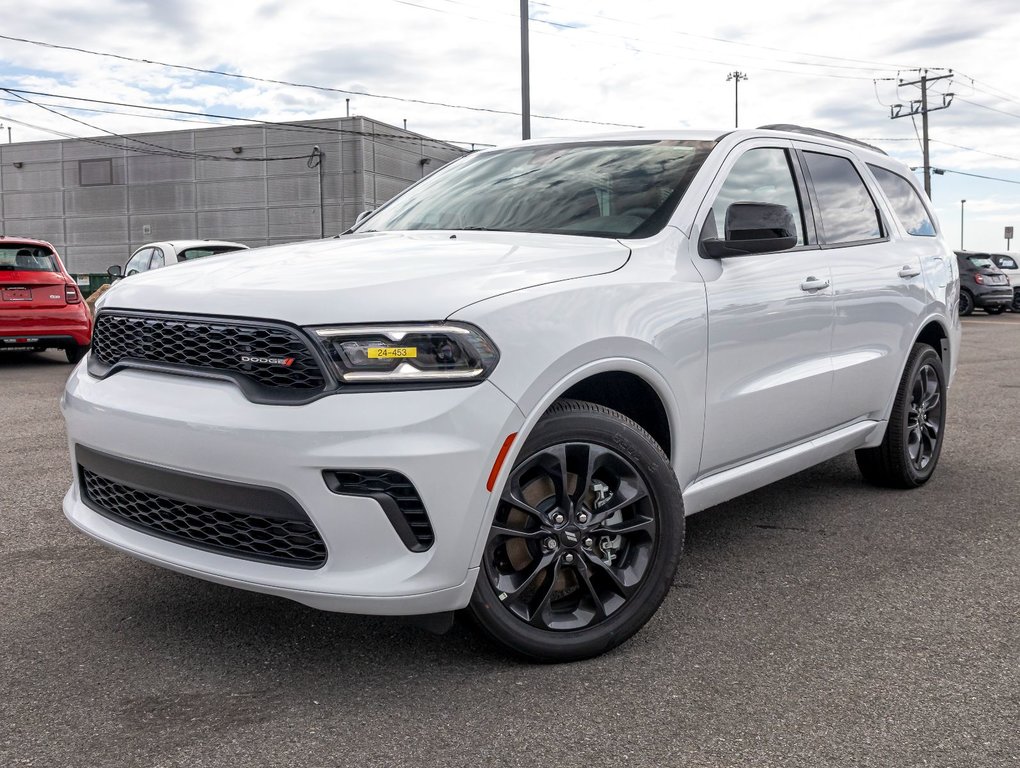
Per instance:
x=905, y=201
x=1006, y=262
x=848, y=212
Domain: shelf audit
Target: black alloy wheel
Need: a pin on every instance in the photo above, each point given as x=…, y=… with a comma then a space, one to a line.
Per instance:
x=913, y=439
x=585, y=540
x=966, y=303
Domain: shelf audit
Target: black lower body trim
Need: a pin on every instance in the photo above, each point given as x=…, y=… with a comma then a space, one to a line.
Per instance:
x=235, y=519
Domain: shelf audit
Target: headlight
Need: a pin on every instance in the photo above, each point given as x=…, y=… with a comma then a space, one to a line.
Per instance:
x=409, y=354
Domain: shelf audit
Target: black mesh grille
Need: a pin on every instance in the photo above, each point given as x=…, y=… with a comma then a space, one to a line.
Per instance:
x=210, y=344
x=278, y=541
x=405, y=509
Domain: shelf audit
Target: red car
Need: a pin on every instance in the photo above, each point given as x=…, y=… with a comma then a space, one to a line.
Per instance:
x=40, y=306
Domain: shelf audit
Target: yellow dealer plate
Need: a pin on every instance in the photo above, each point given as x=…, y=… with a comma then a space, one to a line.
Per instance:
x=385, y=353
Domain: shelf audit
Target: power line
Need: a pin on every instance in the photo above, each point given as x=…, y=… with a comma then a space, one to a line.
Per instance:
x=990, y=109
x=291, y=84
x=881, y=65
x=980, y=176
x=587, y=30
x=288, y=126
x=630, y=47
x=158, y=147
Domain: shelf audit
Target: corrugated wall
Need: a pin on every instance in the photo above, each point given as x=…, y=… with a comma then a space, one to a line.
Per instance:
x=98, y=202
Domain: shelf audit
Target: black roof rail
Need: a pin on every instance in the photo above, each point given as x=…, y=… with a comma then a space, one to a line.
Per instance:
x=817, y=132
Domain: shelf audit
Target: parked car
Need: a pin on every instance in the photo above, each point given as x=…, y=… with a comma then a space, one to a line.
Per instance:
x=505, y=388
x=156, y=255
x=982, y=284
x=1009, y=265
x=40, y=305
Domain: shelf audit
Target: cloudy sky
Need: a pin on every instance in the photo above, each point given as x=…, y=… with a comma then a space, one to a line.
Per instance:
x=594, y=63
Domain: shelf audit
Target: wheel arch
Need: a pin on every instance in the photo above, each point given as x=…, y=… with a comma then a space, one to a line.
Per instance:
x=935, y=333
x=626, y=375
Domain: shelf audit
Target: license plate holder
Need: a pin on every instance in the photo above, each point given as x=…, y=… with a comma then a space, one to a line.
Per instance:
x=17, y=294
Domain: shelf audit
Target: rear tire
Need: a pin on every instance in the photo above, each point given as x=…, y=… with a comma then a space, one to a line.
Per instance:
x=586, y=539
x=966, y=302
x=913, y=438
x=75, y=353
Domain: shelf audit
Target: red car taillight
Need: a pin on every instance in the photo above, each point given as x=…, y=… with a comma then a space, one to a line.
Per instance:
x=71, y=295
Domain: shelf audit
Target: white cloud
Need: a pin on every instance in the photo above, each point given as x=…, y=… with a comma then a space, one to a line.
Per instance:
x=646, y=62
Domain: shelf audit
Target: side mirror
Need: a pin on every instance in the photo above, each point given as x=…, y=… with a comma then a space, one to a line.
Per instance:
x=115, y=271
x=754, y=228
x=362, y=216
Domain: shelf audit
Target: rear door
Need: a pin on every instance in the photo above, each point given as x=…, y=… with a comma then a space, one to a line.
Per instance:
x=878, y=285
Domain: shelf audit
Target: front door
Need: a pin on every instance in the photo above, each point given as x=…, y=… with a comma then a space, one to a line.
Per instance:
x=770, y=319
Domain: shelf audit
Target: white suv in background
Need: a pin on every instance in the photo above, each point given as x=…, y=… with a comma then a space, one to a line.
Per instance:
x=156, y=255
x=505, y=389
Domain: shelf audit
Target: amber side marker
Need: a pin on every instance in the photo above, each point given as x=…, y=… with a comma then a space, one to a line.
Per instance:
x=499, y=461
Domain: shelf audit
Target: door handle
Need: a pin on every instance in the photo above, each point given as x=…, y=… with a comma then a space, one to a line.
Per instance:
x=909, y=271
x=813, y=284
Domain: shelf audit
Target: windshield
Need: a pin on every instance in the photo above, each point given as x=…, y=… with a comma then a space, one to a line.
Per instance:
x=600, y=189
x=27, y=259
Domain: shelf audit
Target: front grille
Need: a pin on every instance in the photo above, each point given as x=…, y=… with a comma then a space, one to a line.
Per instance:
x=395, y=494
x=279, y=541
x=216, y=345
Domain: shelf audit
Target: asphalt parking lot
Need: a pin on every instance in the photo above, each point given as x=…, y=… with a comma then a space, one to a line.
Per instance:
x=817, y=622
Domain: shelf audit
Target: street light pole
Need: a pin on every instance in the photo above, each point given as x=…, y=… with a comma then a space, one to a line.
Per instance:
x=736, y=77
x=525, y=75
x=961, y=223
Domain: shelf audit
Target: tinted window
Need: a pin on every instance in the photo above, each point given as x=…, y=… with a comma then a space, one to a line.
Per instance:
x=905, y=201
x=1005, y=262
x=601, y=189
x=759, y=176
x=206, y=250
x=847, y=210
x=27, y=259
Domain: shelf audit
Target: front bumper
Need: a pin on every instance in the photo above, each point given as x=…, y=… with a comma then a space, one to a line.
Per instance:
x=445, y=441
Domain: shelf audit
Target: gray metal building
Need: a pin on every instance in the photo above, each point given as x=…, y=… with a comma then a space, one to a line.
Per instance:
x=99, y=199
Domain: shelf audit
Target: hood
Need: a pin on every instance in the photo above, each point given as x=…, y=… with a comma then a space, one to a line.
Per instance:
x=377, y=277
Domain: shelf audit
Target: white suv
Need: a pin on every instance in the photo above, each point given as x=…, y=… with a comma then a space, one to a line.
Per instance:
x=504, y=389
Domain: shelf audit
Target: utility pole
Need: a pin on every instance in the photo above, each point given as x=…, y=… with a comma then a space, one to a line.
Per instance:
x=961, y=224
x=315, y=161
x=736, y=77
x=525, y=75
x=921, y=107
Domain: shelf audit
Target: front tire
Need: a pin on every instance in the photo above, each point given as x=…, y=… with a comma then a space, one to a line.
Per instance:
x=586, y=538
x=913, y=439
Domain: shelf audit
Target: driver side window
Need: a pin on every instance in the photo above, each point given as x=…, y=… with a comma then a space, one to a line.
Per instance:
x=761, y=175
